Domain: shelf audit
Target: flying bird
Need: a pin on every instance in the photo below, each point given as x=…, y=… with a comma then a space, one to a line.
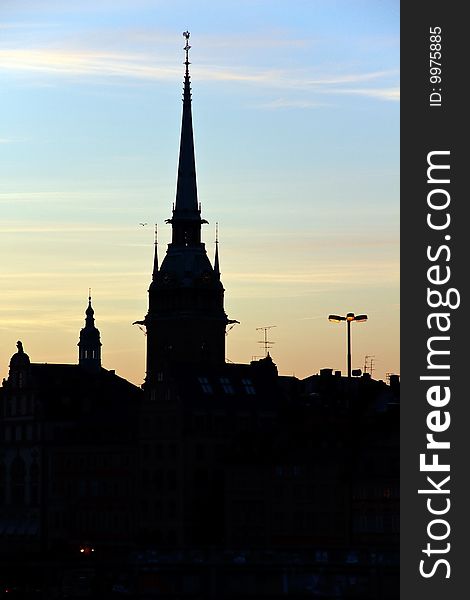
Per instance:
x=143, y=224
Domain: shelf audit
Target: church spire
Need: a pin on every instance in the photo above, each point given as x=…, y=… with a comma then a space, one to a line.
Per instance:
x=216, y=257
x=89, y=346
x=186, y=190
x=155, y=257
x=186, y=320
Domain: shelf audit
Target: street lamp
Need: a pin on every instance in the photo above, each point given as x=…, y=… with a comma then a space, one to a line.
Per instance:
x=349, y=318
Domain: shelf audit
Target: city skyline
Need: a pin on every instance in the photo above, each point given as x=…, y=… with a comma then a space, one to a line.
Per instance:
x=296, y=142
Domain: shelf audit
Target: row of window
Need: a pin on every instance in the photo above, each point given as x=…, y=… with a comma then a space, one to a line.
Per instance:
x=20, y=433
x=158, y=510
x=227, y=386
x=18, y=406
x=94, y=521
x=386, y=492
x=373, y=523
x=93, y=354
x=19, y=484
x=97, y=488
x=92, y=461
x=159, y=451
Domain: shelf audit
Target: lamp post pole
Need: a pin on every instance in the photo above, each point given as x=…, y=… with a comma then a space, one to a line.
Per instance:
x=349, y=347
x=349, y=318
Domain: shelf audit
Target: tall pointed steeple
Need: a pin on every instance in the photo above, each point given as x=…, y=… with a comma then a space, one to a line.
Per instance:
x=155, y=256
x=89, y=346
x=186, y=218
x=186, y=189
x=186, y=319
x=216, y=257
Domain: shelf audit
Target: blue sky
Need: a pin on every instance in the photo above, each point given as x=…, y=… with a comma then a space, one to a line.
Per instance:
x=296, y=119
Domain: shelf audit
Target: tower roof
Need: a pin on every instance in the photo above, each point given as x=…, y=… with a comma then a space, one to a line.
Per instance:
x=89, y=334
x=20, y=358
x=186, y=205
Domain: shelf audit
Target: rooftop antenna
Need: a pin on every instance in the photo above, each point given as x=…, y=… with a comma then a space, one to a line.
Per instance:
x=369, y=364
x=265, y=342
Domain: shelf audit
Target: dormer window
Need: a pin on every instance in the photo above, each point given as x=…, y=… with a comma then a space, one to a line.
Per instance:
x=226, y=385
x=205, y=385
x=249, y=387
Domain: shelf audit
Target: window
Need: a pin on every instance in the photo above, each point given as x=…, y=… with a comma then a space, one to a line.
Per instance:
x=18, y=476
x=200, y=451
x=205, y=385
x=3, y=472
x=249, y=387
x=34, y=484
x=226, y=385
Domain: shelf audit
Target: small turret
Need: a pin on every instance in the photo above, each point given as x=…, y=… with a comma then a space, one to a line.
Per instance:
x=89, y=346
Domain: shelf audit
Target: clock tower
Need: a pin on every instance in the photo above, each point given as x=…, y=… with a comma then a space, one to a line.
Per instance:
x=186, y=320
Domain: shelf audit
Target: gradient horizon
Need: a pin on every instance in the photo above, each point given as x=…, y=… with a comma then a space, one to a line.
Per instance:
x=296, y=124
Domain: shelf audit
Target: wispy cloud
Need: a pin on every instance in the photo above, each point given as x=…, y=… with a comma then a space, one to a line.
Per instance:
x=280, y=103
x=64, y=228
x=73, y=63
x=389, y=93
x=333, y=274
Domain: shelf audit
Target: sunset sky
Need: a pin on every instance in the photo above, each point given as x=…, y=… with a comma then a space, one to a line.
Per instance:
x=296, y=121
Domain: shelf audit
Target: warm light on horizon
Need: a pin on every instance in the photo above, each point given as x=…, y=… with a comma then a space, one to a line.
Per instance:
x=296, y=143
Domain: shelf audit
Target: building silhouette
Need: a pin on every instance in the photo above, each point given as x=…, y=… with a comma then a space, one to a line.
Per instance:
x=239, y=480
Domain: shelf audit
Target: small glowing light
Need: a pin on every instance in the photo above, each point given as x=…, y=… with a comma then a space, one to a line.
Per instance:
x=336, y=318
x=361, y=318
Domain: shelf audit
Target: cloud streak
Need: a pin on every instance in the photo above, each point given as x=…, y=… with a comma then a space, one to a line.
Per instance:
x=115, y=65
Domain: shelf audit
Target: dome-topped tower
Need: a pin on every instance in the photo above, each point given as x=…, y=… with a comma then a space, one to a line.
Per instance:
x=20, y=367
x=20, y=358
x=89, y=346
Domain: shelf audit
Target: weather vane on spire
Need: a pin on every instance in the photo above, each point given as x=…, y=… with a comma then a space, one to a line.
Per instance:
x=187, y=48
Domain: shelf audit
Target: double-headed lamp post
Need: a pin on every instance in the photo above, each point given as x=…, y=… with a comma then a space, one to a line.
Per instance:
x=349, y=318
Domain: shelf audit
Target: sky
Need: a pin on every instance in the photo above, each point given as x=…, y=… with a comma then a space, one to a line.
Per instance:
x=296, y=126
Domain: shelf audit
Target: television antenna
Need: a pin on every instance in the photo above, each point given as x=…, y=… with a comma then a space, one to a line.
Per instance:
x=265, y=342
x=369, y=364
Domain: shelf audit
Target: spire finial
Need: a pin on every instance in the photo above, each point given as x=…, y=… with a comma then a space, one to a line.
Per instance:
x=89, y=294
x=187, y=48
x=217, y=232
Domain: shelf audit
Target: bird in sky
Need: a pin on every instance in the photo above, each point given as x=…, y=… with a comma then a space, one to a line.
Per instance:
x=143, y=224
